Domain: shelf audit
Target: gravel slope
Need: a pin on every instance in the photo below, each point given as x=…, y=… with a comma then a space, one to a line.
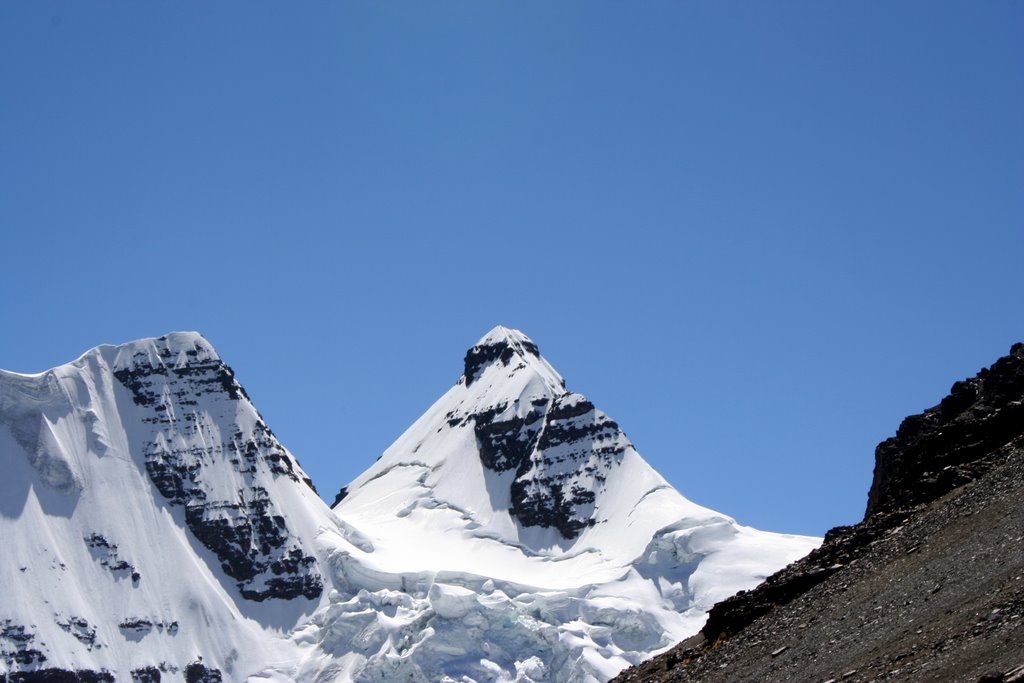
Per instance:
x=939, y=597
x=929, y=587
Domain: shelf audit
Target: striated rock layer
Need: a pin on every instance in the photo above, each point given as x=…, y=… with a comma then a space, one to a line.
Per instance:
x=930, y=586
x=240, y=524
x=154, y=528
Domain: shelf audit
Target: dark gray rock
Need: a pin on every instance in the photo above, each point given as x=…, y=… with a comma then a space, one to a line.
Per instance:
x=197, y=672
x=146, y=674
x=946, y=446
x=503, y=351
x=16, y=648
x=58, y=676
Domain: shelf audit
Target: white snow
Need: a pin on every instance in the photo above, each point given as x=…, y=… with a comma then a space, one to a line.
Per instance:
x=428, y=573
x=631, y=585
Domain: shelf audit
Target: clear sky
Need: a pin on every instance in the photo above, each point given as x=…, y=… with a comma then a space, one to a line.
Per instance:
x=756, y=234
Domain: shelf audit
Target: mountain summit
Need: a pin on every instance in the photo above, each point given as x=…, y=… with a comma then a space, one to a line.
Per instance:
x=511, y=485
x=503, y=345
x=156, y=530
x=513, y=454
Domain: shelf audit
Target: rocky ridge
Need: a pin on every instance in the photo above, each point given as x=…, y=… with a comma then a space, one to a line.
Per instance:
x=930, y=586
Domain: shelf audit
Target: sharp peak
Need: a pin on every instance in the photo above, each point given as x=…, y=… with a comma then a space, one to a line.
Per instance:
x=505, y=340
x=500, y=333
x=501, y=345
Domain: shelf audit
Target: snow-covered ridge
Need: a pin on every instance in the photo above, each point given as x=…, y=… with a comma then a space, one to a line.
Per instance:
x=156, y=529
x=146, y=510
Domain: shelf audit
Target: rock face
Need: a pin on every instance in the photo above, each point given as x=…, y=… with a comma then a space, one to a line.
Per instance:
x=560, y=446
x=501, y=348
x=577, y=449
x=947, y=446
x=930, y=586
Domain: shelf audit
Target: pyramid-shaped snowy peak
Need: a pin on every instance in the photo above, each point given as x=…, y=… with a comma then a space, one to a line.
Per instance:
x=512, y=463
x=511, y=455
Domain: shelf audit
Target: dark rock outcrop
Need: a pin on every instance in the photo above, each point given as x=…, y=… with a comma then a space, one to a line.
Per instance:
x=560, y=447
x=80, y=629
x=107, y=554
x=929, y=586
x=58, y=676
x=141, y=626
x=146, y=674
x=16, y=645
x=197, y=672
x=503, y=351
x=576, y=449
x=946, y=446
x=340, y=496
x=506, y=444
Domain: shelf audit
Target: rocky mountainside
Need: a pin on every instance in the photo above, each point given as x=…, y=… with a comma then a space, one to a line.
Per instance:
x=929, y=587
x=155, y=530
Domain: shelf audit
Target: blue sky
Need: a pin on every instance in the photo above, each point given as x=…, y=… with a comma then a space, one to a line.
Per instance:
x=756, y=234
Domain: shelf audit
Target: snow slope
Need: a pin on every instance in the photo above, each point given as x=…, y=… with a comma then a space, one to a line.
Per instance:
x=515, y=534
x=150, y=520
x=154, y=529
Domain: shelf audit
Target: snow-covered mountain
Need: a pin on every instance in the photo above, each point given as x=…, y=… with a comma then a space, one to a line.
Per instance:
x=526, y=539
x=155, y=529
x=150, y=520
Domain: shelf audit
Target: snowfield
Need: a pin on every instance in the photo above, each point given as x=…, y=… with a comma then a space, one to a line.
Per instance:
x=153, y=523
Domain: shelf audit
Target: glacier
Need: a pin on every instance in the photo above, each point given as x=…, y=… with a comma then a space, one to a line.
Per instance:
x=155, y=529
